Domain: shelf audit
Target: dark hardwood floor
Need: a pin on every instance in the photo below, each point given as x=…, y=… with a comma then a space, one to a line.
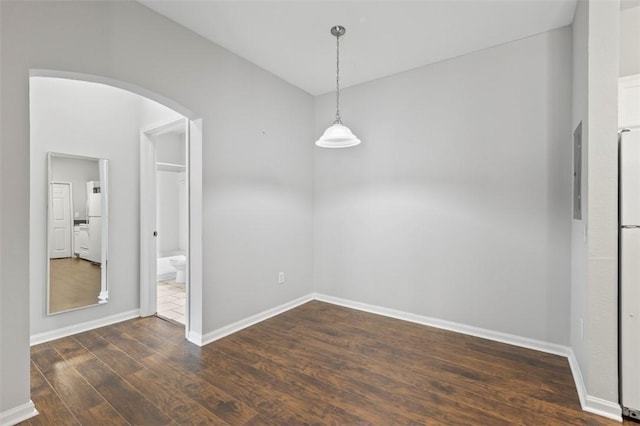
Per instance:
x=316, y=364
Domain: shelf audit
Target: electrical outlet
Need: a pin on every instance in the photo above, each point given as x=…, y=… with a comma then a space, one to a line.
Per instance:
x=280, y=277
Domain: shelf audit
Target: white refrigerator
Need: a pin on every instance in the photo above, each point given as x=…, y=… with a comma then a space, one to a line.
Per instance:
x=94, y=222
x=630, y=272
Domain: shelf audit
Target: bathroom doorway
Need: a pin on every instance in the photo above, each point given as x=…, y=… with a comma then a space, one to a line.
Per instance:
x=171, y=221
x=165, y=232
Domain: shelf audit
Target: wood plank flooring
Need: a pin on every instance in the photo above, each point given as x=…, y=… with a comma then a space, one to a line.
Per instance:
x=74, y=283
x=316, y=364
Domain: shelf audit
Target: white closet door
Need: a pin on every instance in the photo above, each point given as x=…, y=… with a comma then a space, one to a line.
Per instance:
x=60, y=231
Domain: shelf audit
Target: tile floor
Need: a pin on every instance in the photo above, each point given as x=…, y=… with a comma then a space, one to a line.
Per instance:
x=171, y=300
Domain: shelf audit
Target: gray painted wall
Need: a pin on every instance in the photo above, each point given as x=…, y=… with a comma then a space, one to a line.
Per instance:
x=257, y=155
x=580, y=112
x=602, y=299
x=457, y=205
x=91, y=120
x=594, y=261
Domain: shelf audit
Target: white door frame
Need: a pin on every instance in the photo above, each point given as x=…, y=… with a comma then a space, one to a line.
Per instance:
x=148, y=253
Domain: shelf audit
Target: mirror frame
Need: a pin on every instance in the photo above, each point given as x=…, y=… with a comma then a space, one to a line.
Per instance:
x=103, y=296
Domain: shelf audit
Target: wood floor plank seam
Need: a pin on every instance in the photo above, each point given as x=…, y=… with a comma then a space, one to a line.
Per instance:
x=328, y=414
x=63, y=372
x=315, y=364
x=107, y=401
x=168, y=414
x=89, y=384
x=154, y=374
x=142, y=360
x=300, y=394
x=55, y=392
x=415, y=400
x=216, y=393
x=525, y=379
x=468, y=354
x=348, y=391
x=465, y=388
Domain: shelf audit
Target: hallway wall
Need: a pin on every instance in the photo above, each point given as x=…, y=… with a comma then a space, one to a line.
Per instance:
x=91, y=120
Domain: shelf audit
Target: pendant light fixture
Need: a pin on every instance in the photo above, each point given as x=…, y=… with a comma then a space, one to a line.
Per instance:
x=337, y=135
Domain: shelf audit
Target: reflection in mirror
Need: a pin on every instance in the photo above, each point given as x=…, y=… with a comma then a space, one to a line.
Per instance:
x=77, y=232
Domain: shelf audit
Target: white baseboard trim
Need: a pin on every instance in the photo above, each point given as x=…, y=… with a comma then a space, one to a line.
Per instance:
x=168, y=276
x=85, y=326
x=212, y=336
x=195, y=338
x=497, y=336
x=590, y=403
x=577, y=378
x=18, y=414
x=603, y=408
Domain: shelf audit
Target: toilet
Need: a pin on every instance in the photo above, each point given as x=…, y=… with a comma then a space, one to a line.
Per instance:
x=179, y=263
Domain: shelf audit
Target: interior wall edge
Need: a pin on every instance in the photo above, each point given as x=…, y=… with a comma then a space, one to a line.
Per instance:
x=212, y=336
x=484, y=333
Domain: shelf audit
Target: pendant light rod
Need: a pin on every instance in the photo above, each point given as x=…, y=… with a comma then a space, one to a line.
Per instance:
x=337, y=135
x=338, y=31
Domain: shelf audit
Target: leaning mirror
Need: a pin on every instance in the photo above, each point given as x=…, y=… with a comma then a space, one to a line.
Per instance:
x=77, y=232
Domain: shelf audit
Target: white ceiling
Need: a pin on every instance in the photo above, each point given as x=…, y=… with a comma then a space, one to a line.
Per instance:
x=291, y=38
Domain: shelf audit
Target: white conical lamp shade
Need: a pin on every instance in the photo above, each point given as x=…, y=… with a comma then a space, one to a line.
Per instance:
x=337, y=136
